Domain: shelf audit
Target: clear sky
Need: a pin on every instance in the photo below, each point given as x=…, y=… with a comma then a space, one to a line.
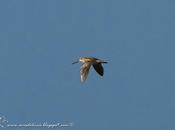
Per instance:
x=39, y=39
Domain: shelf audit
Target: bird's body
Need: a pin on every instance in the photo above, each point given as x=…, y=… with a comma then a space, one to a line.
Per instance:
x=86, y=64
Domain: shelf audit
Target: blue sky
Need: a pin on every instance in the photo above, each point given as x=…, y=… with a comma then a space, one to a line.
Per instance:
x=39, y=39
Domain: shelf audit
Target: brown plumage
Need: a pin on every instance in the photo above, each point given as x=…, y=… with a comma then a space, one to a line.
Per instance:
x=86, y=64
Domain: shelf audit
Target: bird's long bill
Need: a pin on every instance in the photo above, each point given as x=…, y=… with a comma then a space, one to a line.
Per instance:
x=75, y=62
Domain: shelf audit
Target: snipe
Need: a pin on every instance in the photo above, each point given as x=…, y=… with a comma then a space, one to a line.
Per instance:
x=86, y=64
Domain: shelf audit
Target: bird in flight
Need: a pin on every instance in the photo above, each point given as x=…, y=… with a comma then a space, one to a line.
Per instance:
x=86, y=64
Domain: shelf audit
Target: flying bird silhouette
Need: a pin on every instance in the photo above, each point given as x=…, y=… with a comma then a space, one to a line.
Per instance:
x=86, y=64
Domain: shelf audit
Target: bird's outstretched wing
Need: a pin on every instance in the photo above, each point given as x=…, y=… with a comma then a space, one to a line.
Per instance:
x=98, y=68
x=84, y=71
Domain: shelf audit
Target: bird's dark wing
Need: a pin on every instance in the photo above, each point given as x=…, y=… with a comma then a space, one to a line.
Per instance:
x=98, y=68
